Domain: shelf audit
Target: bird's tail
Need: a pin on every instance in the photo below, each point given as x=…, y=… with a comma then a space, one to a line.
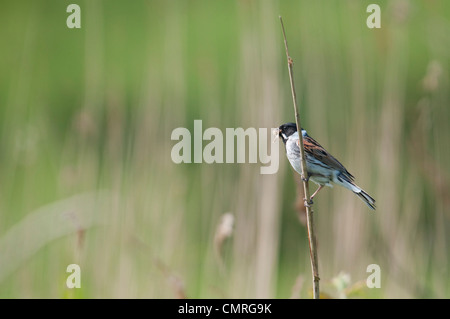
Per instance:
x=366, y=198
x=347, y=183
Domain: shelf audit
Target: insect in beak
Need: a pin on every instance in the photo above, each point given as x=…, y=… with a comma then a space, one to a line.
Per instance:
x=276, y=134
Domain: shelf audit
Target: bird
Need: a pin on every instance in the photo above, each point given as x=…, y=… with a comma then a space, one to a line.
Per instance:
x=322, y=167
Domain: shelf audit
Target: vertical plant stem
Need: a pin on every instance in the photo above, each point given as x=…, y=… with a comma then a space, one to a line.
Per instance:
x=307, y=199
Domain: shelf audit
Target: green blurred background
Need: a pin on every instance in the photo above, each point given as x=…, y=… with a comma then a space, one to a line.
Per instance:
x=86, y=176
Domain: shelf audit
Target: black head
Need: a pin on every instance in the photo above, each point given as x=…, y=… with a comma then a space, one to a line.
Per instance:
x=286, y=130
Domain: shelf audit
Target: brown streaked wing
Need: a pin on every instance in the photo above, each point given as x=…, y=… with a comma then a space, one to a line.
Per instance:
x=317, y=151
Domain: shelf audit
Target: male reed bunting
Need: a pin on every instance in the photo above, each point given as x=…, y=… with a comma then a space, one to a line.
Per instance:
x=322, y=167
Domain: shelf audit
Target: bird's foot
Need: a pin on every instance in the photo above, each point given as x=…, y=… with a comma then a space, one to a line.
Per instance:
x=305, y=179
x=307, y=203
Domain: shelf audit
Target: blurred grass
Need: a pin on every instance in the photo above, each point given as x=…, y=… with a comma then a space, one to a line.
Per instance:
x=92, y=110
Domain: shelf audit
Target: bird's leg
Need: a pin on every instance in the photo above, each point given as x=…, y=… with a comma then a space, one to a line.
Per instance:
x=315, y=193
x=308, y=204
x=305, y=202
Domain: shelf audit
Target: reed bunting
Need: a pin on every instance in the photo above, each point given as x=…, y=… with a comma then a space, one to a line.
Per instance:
x=322, y=167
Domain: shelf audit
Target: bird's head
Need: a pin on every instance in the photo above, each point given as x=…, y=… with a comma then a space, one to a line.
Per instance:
x=286, y=130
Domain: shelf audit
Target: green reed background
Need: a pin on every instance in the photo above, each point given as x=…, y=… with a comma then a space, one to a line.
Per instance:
x=86, y=175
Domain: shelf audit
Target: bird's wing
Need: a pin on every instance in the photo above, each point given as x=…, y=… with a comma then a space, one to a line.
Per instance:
x=318, y=152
